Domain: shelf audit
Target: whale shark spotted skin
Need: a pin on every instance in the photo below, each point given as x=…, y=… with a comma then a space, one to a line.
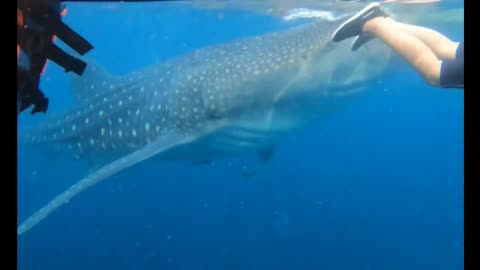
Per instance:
x=213, y=102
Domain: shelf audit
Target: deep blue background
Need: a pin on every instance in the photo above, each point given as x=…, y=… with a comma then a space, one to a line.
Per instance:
x=377, y=186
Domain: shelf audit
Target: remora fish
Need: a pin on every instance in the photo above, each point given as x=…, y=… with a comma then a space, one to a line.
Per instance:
x=216, y=101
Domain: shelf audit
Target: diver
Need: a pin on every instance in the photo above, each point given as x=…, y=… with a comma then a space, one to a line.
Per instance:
x=38, y=25
x=438, y=59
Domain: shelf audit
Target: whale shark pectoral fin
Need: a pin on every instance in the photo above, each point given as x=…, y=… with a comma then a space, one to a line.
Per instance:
x=164, y=143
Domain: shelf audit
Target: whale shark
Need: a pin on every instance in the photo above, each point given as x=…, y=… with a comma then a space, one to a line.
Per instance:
x=222, y=100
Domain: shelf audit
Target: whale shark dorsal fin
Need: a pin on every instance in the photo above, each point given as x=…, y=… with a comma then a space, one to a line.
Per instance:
x=94, y=81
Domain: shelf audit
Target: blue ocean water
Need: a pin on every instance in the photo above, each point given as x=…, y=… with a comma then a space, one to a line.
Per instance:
x=379, y=185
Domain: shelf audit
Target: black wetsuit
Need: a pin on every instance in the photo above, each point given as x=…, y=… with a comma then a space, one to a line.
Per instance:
x=451, y=73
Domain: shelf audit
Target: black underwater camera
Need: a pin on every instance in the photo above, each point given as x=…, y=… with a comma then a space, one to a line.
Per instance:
x=39, y=22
